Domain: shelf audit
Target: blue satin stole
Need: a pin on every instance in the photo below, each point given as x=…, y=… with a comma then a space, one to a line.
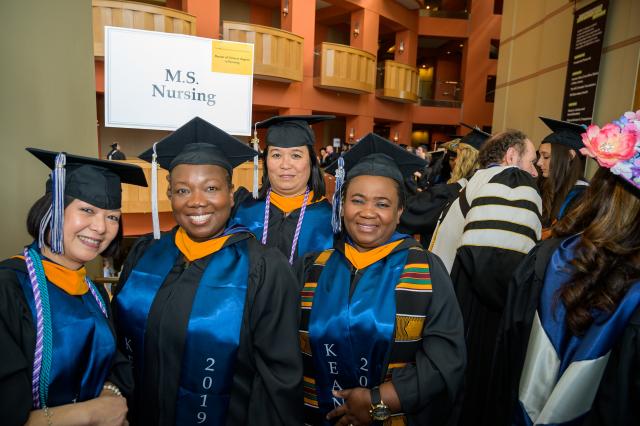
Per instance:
x=83, y=344
x=351, y=338
x=213, y=333
x=605, y=330
x=597, y=341
x=575, y=192
x=315, y=234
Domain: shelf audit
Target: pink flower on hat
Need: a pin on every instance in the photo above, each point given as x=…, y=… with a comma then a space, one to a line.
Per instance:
x=611, y=144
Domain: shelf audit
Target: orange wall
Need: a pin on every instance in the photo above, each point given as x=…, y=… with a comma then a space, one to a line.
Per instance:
x=360, y=111
x=483, y=27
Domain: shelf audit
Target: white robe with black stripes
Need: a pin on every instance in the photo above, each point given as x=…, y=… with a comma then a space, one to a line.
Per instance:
x=489, y=203
x=485, y=234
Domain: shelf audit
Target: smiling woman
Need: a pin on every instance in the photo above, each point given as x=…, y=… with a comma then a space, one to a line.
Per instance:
x=381, y=332
x=291, y=212
x=54, y=321
x=201, y=309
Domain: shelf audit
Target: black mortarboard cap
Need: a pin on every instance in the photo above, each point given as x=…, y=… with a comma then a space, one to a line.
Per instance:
x=92, y=180
x=373, y=155
x=476, y=137
x=288, y=131
x=564, y=133
x=376, y=156
x=199, y=142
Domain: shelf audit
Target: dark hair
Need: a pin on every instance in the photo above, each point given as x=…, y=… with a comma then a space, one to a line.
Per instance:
x=607, y=258
x=39, y=209
x=564, y=171
x=494, y=150
x=315, y=182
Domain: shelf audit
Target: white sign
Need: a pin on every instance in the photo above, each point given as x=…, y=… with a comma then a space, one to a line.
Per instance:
x=156, y=80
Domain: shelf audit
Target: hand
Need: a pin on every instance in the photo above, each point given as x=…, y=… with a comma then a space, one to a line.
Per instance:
x=355, y=410
x=417, y=174
x=107, y=411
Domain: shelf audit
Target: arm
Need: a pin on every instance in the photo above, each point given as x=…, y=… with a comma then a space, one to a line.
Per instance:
x=428, y=389
x=17, y=339
x=432, y=384
x=104, y=410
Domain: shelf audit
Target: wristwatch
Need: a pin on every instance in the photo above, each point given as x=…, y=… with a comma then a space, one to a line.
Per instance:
x=379, y=410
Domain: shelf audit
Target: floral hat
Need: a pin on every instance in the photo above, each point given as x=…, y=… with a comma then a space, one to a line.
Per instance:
x=616, y=146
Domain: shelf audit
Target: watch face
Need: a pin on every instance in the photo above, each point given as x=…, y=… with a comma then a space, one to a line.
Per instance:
x=380, y=412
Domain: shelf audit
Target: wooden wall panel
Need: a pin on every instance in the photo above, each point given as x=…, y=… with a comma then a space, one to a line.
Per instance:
x=345, y=68
x=400, y=82
x=277, y=53
x=139, y=16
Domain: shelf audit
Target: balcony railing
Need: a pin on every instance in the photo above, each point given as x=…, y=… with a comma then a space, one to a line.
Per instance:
x=277, y=53
x=440, y=93
x=397, y=82
x=140, y=16
x=136, y=199
x=344, y=68
x=450, y=14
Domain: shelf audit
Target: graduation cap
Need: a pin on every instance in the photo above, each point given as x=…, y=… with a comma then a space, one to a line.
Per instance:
x=195, y=142
x=199, y=142
x=564, y=133
x=476, y=137
x=372, y=156
x=91, y=180
x=288, y=131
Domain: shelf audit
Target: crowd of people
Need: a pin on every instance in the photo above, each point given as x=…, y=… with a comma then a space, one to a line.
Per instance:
x=483, y=283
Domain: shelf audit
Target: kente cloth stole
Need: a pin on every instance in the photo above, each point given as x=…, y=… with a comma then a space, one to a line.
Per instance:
x=412, y=298
x=213, y=332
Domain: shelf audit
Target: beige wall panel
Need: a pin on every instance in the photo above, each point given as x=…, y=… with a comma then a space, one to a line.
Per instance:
x=499, y=109
x=551, y=6
x=625, y=14
x=504, y=64
x=616, y=83
x=556, y=33
x=48, y=100
x=522, y=97
x=528, y=12
x=507, y=27
x=548, y=45
x=550, y=89
x=526, y=54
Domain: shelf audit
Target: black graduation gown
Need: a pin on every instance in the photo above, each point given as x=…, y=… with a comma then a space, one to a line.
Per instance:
x=427, y=388
x=267, y=384
x=116, y=154
x=618, y=399
x=17, y=345
x=422, y=211
x=484, y=264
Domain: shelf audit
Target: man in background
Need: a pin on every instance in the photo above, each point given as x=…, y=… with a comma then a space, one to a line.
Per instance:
x=115, y=153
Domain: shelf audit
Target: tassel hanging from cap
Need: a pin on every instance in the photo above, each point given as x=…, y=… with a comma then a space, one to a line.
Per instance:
x=154, y=194
x=58, y=177
x=336, y=211
x=256, y=145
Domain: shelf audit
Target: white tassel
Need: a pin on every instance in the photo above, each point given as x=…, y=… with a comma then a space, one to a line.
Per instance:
x=154, y=194
x=57, y=210
x=256, y=146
